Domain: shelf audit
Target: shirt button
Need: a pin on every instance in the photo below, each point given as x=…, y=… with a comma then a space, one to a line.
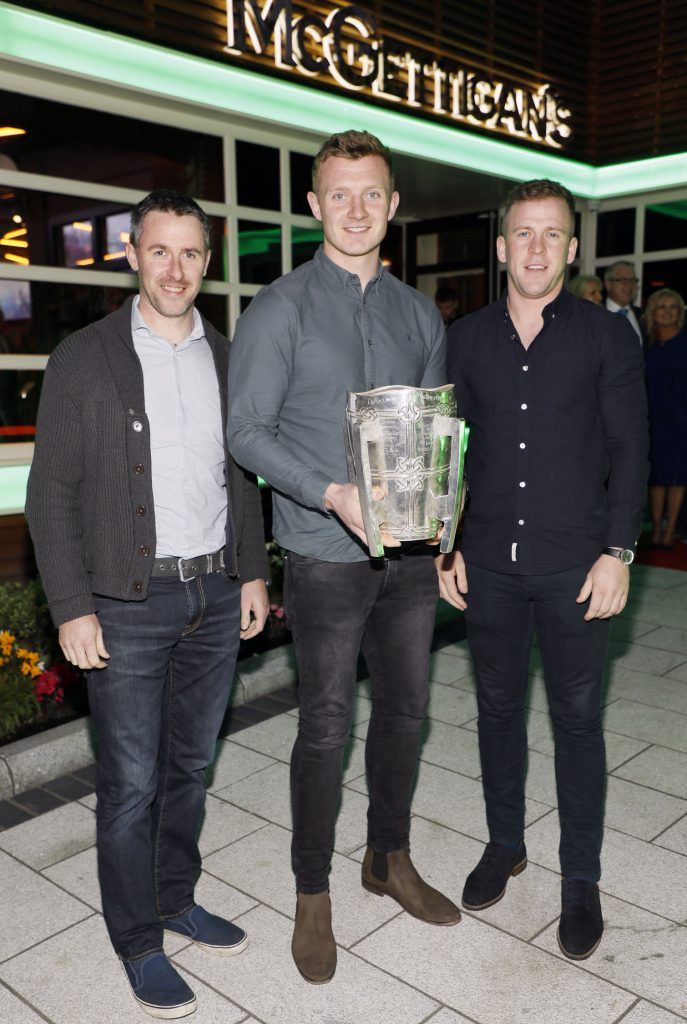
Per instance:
x=523, y=445
x=138, y=468
x=143, y=550
x=141, y=510
x=521, y=522
x=369, y=341
x=522, y=483
x=525, y=368
x=138, y=586
x=524, y=405
x=138, y=426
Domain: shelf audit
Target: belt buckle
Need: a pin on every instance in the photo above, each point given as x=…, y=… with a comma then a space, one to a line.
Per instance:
x=184, y=579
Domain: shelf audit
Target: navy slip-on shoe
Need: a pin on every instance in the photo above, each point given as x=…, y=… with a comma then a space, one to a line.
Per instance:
x=158, y=988
x=212, y=933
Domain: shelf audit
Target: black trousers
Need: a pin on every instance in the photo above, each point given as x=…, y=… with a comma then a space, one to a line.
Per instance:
x=333, y=609
x=503, y=613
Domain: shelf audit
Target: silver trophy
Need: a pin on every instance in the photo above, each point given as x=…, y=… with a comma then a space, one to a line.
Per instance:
x=406, y=453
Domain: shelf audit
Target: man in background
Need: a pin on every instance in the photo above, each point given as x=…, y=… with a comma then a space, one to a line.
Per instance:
x=620, y=282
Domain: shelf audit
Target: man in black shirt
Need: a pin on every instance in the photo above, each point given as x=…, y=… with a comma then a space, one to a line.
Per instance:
x=553, y=389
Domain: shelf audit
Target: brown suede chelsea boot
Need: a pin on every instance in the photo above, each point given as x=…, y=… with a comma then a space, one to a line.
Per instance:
x=313, y=947
x=393, y=874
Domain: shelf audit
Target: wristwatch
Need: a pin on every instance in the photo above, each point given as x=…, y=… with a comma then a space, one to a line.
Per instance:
x=626, y=555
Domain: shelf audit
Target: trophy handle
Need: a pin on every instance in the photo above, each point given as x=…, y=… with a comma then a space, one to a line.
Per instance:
x=361, y=440
x=449, y=506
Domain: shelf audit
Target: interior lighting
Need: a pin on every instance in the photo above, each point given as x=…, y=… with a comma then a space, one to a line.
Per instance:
x=81, y=225
x=16, y=243
x=7, y=131
x=124, y=237
x=114, y=255
x=17, y=218
x=85, y=262
x=13, y=258
x=17, y=233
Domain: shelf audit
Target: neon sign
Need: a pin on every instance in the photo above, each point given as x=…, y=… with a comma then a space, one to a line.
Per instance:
x=344, y=47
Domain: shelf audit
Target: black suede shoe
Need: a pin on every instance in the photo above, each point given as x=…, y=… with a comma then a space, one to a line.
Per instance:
x=581, y=925
x=487, y=883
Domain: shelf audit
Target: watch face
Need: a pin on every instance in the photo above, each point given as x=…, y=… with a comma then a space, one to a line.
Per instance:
x=627, y=556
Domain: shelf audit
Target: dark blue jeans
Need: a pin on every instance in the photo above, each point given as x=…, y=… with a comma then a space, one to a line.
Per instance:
x=503, y=613
x=386, y=607
x=157, y=708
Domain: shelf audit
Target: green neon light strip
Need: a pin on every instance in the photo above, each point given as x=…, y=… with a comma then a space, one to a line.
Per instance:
x=55, y=43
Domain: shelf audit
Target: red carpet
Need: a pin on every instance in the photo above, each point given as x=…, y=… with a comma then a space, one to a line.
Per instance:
x=675, y=559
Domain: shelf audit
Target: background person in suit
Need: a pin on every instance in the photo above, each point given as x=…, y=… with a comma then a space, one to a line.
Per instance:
x=620, y=282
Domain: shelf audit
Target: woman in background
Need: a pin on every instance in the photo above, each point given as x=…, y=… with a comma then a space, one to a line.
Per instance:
x=586, y=286
x=666, y=381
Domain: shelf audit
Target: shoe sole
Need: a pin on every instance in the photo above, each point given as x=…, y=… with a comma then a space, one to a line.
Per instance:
x=215, y=950
x=370, y=887
x=517, y=870
x=318, y=981
x=576, y=956
x=164, y=1012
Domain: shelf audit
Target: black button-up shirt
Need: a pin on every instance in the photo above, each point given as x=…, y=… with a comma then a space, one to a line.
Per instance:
x=557, y=456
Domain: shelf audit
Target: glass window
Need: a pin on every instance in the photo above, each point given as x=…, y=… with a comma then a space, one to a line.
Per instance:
x=615, y=232
x=257, y=176
x=665, y=226
x=19, y=394
x=37, y=315
x=664, y=274
x=67, y=231
x=259, y=252
x=244, y=302
x=454, y=240
x=91, y=145
x=305, y=242
x=301, y=183
x=391, y=251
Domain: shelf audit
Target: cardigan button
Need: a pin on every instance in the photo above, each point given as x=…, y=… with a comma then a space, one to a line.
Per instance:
x=139, y=468
x=141, y=510
x=144, y=550
x=138, y=426
x=138, y=586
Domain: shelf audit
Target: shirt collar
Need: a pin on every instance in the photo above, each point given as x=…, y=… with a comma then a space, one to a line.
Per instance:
x=344, y=278
x=613, y=307
x=139, y=325
x=550, y=311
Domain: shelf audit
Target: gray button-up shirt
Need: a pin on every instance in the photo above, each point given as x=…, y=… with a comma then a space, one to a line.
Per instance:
x=302, y=344
x=186, y=445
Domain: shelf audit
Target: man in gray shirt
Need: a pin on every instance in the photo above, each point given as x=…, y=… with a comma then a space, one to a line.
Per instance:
x=342, y=323
x=150, y=544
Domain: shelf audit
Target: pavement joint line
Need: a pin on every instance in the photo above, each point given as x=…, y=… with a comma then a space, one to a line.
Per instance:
x=25, y=1001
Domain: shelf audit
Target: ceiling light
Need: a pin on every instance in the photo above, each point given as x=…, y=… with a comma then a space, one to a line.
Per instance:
x=13, y=258
x=6, y=131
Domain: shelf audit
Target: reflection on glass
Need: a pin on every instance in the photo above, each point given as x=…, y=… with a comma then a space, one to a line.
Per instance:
x=664, y=274
x=116, y=235
x=257, y=176
x=19, y=394
x=301, y=182
x=15, y=300
x=305, y=242
x=665, y=226
x=615, y=232
x=259, y=252
x=77, y=244
x=91, y=145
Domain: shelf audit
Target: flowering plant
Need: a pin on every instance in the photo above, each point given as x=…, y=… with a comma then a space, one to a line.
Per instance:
x=33, y=676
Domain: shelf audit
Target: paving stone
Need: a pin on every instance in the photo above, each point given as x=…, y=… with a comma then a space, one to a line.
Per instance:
x=14, y=1011
x=51, y=837
x=679, y=673
x=11, y=815
x=451, y=705
x=75, y=978
x=675, y=837
x=35, y=906
x=655, y=725
x=628, y=866
x=233, y=762
x=38, y=801
x=658, y=768
x=6, y=781
x=639, y=811
x=446, y=667
x=491, y=977
x=639, y=951
x=47, y=755
x=260, y=865
x=450, y=747
x=265, y=981
x=68, y=787
x=224, y=824
x=657, y=691
x=642, y=659
x=646, y=1013
x=665, y=638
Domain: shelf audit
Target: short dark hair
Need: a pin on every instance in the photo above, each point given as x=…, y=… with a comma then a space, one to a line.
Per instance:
x=167, y=201
x=539, y=188
x=446, y=293
x=352, y=145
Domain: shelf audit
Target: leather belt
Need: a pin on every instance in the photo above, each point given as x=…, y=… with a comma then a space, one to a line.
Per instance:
x=186, y=569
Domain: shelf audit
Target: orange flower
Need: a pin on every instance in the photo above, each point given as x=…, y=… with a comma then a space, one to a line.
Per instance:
x=6, y=641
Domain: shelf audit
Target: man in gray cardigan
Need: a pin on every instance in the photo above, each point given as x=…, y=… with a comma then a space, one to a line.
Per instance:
x=149, y=541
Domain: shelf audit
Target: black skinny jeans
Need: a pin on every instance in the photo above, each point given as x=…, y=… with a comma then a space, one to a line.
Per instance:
x=503, y=613
x=387, y=607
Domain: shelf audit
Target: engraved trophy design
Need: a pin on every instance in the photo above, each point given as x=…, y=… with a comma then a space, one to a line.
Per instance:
x=406, y=453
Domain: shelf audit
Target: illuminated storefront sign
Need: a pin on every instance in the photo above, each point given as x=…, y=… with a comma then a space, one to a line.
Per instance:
x=345, y=47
